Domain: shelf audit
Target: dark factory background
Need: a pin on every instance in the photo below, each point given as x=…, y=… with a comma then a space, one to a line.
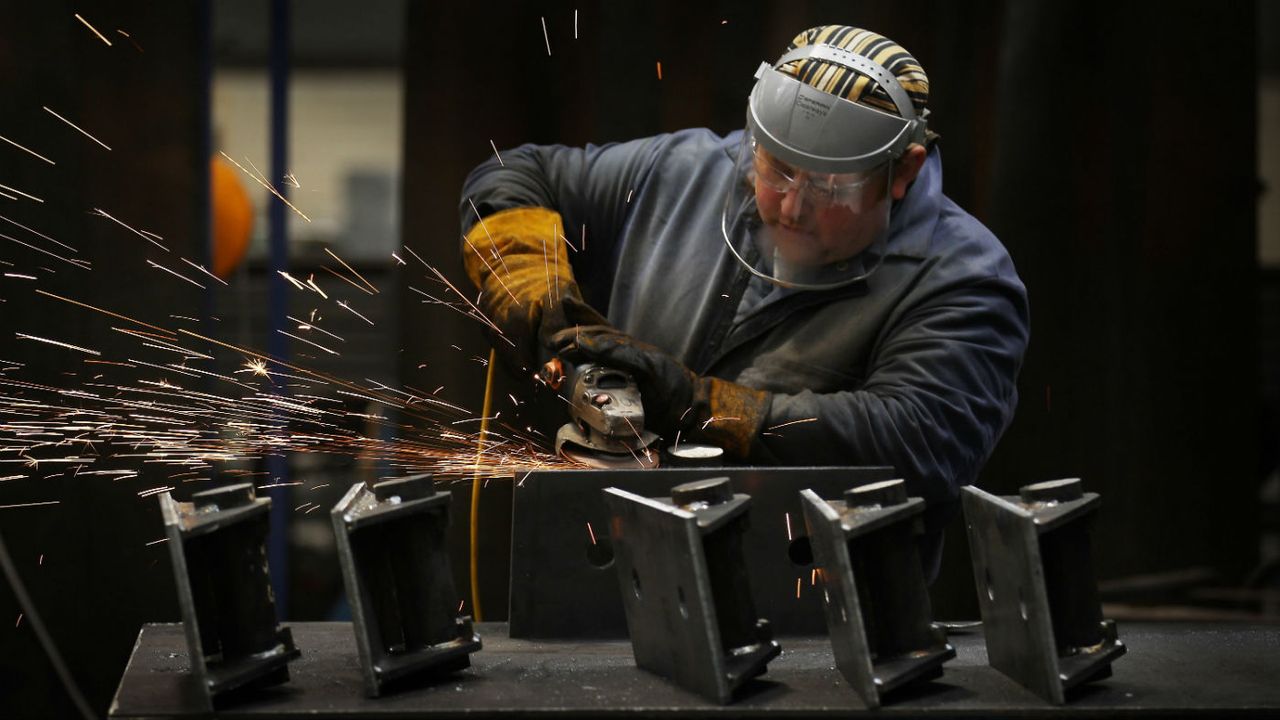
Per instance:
x=1125, y=153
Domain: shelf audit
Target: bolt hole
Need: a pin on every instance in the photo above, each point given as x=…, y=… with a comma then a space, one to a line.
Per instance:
x=684, y=608
x=991, y=588
x=1022, y=606
x=600, y=553
x=801, y=551
x=635, y=582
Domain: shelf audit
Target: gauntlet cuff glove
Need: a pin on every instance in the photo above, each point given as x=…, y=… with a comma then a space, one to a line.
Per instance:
x=520, y=263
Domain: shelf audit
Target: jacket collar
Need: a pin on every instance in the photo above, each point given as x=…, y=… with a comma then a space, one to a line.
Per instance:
x=915, y=216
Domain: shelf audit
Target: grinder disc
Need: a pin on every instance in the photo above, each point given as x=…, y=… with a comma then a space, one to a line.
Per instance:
x=604, y=454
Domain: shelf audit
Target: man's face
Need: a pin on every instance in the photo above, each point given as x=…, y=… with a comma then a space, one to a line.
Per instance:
x=816, y=219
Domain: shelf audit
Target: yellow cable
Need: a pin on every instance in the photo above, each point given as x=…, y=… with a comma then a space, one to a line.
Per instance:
x=475, y=489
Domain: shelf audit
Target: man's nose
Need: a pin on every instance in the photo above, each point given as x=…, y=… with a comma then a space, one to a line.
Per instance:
x=793, y=204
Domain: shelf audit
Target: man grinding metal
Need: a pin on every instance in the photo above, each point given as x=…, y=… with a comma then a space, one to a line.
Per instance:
x=797, y=293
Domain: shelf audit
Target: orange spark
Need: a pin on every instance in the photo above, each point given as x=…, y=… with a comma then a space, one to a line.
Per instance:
x=257, y=366
x=31, y=504
x=312, y=326
x=202, y=269
x=130, y=39
x=268, y=187
x=14, y=190
x=77, y=127
x=491, y=270
x=174, y=273
x=792, y=422
x=26, y=149
x=38, y=233
x=21, y=336
x=311, y=283
x=492, y=242
x=103, y=213
x=353, y=270
x=94, y=29
x=343, y=304
x=295, y=337
x=106, y=312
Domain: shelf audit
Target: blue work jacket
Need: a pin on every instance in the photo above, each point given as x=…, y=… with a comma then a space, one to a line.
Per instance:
x=915, y=366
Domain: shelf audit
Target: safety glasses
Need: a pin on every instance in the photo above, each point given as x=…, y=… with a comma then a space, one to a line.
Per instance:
x=822, y=189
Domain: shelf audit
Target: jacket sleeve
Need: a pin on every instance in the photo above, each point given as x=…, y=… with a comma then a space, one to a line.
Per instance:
x=590, y=187
x=940, y=390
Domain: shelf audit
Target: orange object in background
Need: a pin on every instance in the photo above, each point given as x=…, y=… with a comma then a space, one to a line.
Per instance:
x=232, y=217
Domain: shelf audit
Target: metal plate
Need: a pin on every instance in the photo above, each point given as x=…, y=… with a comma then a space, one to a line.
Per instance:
x=1010, y=542
x=226, y=546
x=562, y=583
x=907, y=602
x=1009, y=575
x=661, y=574
x=843, y=611
x=425, y=568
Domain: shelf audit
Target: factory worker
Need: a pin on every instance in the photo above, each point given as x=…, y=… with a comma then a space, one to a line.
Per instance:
x=797, y=293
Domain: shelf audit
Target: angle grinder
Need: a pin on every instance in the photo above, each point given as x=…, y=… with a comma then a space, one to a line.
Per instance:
x=606, y=417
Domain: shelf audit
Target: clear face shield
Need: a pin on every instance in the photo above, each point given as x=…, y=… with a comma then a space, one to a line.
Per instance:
x=810, y=200
x=801, y=229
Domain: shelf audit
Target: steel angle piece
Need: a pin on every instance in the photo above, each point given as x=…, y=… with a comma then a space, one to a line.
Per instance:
x=217, y=545
x=560, y=538
x=875, y=596
x=1032, y=564
x=392, y=545
x=685, y=587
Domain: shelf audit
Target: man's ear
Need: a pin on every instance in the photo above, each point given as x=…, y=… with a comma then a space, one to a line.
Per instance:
x=908, y=167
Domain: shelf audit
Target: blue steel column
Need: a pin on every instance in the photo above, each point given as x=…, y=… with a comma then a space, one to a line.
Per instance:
x=204, y=152
x=277, y=299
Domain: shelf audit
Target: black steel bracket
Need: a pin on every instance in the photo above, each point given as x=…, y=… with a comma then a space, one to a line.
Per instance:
x=1033, y=568
x=560, y=538
x=392, y=545
x=685, y=588
x=217, y=544
x=874, y=590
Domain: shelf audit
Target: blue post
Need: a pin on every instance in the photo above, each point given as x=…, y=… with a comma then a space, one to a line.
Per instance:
x=204, y=152
x=277, y=298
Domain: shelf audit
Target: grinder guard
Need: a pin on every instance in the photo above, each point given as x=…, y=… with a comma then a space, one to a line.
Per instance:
x=606, y=429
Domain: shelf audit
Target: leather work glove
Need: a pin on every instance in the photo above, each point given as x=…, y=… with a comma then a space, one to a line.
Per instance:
x=520, y=263
x=702, y=409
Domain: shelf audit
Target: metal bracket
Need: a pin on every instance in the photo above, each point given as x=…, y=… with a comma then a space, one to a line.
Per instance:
x=685, y=587
x=217, y=544
x=560, y=539
x=392, y=545
x=876, y=598
x=1033, y=568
